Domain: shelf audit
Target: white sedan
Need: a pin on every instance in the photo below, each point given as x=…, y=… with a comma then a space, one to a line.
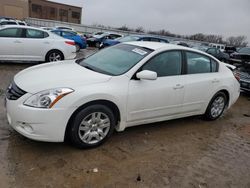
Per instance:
x=122, y=86
x=24, y=43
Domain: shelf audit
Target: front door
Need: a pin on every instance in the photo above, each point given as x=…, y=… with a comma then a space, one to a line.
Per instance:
x=159, y=98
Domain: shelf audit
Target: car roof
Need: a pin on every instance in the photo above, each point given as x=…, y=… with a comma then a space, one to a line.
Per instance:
x=165, y=46
x=20, y=26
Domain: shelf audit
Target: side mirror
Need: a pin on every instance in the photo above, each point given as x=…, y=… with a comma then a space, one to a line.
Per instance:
x=147, y=75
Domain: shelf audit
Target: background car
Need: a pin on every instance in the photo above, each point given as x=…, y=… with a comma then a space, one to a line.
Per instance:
x=244, y=73
x=24, y=43
x=8, y=22
x=130, y=38
x=118, y=87
x=241, y=57
x=80, y=41
x=230, y=49
x=64, y=28
x=217, y=53
x=98, y=38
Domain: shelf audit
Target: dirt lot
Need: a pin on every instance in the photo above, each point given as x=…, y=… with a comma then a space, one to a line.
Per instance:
x=187, y=152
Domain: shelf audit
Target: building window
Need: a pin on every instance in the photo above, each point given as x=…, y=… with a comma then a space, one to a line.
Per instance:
x=63, y=13
x=76, y=15
x=36, y=8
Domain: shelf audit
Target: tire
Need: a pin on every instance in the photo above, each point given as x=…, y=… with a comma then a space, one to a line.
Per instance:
x=78, y=47
x=97, y=44
x=54, y=55
x=91, y=126
x=216, y=106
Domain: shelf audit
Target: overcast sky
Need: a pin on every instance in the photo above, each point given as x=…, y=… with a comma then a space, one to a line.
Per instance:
x=225, y=17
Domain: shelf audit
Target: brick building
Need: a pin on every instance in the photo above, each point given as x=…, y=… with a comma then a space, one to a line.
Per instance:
x=42, y=9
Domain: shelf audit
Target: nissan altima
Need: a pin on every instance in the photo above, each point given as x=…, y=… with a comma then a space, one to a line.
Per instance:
x=122, y=86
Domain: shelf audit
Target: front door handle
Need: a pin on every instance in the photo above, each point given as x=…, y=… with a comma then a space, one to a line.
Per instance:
x=17, y=41
x=178, y=86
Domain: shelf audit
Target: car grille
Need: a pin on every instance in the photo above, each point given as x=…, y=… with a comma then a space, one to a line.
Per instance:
x=14, y=92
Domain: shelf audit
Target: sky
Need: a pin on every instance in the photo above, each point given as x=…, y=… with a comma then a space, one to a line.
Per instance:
x=223, y=17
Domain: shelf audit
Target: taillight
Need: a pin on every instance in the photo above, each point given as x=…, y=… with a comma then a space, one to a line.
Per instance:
x=70, y=43
x=236, y=75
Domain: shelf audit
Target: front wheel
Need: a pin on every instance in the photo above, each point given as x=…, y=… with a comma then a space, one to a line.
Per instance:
x=92, y=126
x=216, y=106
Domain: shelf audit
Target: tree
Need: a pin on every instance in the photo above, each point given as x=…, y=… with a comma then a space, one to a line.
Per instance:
x=139, y=30
x=239, y=41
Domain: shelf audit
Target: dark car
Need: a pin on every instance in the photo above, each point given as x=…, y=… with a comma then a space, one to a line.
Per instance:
x=97, y=39
x=218, y=54
x=241, y=57
x=244, y=73
x=230, y=49
x=130, y=38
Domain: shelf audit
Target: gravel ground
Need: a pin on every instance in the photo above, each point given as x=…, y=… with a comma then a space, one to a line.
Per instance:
x=186, y=152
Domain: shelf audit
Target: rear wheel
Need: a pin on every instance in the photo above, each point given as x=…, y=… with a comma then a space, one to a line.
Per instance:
x=92, y=126
x=77, y=48
x=216, y=106
x=54, y=55
x=97, y=44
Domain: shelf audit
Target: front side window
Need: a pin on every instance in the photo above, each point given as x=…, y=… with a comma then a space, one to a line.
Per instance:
x=115, y=60
x=11, y=33
x=165, y=64
x=198, y=63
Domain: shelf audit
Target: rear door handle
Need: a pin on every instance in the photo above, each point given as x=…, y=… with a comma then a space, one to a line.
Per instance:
x=178, y=86
x=17, y=41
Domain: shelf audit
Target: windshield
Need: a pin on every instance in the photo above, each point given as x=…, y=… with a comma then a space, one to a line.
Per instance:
x=244, y=50
x=128, y=39
x=115, y=60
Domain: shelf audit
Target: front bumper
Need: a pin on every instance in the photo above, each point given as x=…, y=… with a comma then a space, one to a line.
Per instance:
x=38, y=124
x=245, y=85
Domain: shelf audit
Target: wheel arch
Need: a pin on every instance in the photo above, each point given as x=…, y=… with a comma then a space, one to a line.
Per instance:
x=107, y=103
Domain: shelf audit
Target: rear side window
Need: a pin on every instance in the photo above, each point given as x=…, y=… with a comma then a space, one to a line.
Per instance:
x=198, y=63
x=165, y=64
x=11, y=33
x=36, y=34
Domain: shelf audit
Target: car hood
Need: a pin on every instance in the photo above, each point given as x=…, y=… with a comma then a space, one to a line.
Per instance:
x=54, y=75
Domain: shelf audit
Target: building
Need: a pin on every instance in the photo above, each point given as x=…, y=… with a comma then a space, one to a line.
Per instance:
x=42, y=9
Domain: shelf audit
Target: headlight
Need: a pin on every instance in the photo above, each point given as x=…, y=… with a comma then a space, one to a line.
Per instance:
x=47, y=98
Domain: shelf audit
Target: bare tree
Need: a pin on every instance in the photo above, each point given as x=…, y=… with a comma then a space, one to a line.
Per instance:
x=239, y=41
x=139, y=30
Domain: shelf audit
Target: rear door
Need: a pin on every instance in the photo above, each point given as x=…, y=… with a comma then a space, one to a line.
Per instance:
x=36, y=44
x=202, y=80
x=11, y=46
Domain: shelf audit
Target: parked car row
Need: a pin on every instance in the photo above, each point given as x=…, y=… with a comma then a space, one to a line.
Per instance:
x=131, y=38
